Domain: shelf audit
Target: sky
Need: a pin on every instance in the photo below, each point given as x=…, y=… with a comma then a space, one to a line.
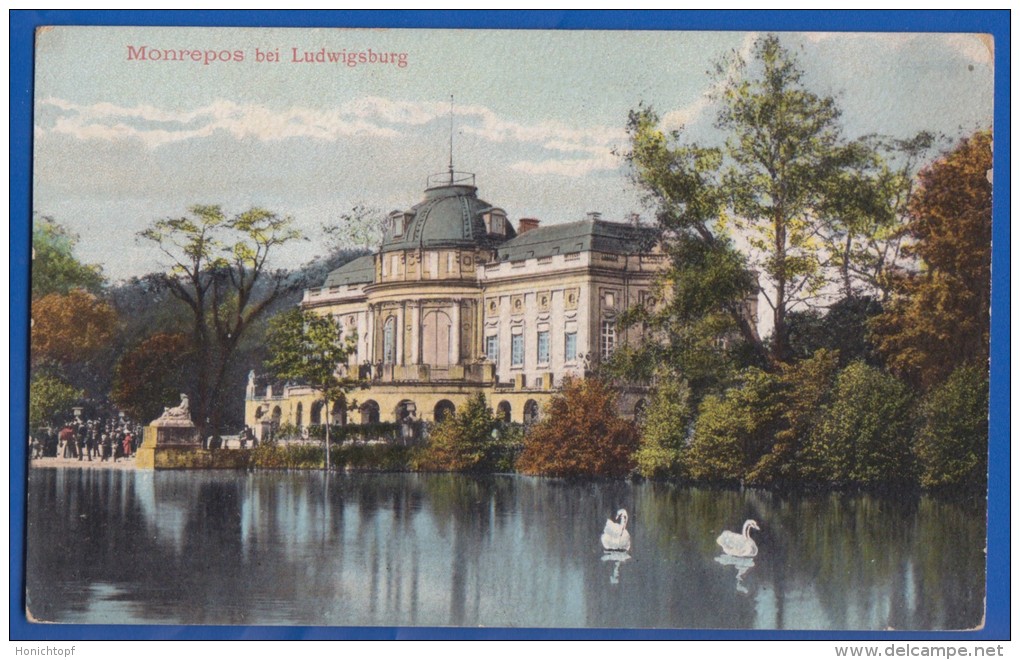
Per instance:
x=122, y=140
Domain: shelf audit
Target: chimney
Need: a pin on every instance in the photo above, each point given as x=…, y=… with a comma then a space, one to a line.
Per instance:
x=594, y=215
x=526, y=225
x=634, y=219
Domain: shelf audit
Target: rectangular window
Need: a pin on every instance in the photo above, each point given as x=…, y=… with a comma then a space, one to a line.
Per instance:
x=517, y=351
x=492, y=348
x=608, y=338
x=570, y=346
x=543, y=347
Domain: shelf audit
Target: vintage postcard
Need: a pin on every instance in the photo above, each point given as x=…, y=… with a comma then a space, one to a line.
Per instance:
x=681, y=330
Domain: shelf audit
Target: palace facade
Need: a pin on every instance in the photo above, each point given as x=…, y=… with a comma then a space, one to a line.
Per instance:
x=458, y=300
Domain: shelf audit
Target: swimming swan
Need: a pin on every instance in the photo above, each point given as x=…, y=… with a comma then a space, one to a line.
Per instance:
x=615, y=536
x=739, y=545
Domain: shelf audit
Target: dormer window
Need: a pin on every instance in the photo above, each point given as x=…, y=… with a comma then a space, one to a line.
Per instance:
x=399, y=221
x=495, y=222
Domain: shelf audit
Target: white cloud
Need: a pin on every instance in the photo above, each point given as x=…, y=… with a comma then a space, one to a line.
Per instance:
x=368, y=116
x=568, y=167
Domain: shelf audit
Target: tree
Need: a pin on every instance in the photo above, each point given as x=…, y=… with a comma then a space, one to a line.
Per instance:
x=217, y=266
x=952, y=437
x=464, y=442
x=664, y=430
x=580, y=434
x=844, y=327
x=150, y=376
x=805, y=389
x=55, y=269
x=312, y=349
x=864, y=435
x=70, y=328
x=50, y=400
x=733, y=431
x=864, y=210
x=783, y=175
x=938, y=317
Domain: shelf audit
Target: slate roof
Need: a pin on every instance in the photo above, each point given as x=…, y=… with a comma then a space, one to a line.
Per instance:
x=358, y=271
x=449, y=216
x=580, y=236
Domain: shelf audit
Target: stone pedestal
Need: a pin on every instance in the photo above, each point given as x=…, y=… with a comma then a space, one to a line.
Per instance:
x=163, y=442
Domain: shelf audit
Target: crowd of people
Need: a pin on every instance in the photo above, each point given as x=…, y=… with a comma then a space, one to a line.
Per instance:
x=98, y=439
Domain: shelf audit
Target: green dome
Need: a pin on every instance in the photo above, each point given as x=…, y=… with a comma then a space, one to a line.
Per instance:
x=449, y=216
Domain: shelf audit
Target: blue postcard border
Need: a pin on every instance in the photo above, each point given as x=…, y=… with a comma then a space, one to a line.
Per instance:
x=23, y=24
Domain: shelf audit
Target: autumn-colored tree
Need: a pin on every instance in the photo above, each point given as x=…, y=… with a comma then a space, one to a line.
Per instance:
x=938, y=318
x=70, y=328
x=580, y=434
x=153, y=374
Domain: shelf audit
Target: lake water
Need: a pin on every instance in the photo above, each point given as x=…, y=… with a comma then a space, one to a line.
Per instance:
x=300, y=548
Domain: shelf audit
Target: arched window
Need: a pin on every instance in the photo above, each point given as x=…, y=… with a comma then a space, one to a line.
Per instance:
x=503, y=411
x=390, y=340
x=404, y=410
x=435, y=338
x=370, y=412
x=530, y=411
x=443, y=410
x=277, y=414
x=339, y=413
x=315, y=416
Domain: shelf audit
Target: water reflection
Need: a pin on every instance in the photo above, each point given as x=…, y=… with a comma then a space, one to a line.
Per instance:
x=439, y=550
x=617, y=558
x=742, y=564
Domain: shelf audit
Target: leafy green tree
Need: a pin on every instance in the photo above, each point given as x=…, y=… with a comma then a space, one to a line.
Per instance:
x=812, y=207
x=55, y=269
x=806, y=388
x=864, y=210
x=312, y=349
x=151, y=375
x=50, y=400
x=952, y=437
x=580, y=434
x=465, y=442
x=844, y=327
x=219, y=267
x=733, y=431
x=864, y=435
x=939, y=316
x=664, y=431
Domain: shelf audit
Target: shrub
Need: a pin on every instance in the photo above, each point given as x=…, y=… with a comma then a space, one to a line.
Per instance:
x=580, y=434
x=462, y=442
x=734, y=431
x=952, y=436
x=664, y=431
x=864, y=435
x=806, y=388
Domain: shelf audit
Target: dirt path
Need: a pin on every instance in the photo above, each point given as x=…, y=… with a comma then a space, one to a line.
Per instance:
x=95, y=464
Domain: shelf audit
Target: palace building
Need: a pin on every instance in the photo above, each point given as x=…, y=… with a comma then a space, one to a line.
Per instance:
x=458, y=301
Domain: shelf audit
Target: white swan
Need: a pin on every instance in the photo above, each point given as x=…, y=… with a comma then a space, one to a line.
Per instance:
x=739, y=545
x=615, y=536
